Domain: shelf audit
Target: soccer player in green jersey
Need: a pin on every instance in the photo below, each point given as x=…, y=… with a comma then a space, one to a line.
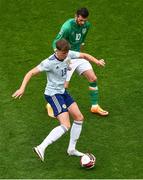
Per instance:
x=74, y=31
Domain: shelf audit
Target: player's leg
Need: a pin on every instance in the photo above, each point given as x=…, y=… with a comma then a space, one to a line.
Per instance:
x=93, y=90
x=85, y=69
x=58, y=131
x=72, y=68
x=61, y=113
x=75, y=129
x=53, y=136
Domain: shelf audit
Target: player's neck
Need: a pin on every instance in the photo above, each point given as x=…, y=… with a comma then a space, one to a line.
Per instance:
x=56, y=56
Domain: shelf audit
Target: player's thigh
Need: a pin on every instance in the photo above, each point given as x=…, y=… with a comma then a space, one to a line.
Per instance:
x=90, y=75
x=75, y=112
x=83, y=65
x=64, y=119
x=57, y=103
x=70, y=72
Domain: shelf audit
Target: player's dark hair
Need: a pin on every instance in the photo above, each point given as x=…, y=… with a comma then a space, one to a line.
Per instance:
x=82, y=12
x=63, y=45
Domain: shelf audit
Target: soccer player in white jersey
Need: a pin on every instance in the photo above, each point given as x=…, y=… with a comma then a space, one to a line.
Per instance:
x=61, y=102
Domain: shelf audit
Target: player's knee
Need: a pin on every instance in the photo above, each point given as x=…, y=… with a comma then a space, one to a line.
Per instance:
x=93, y=79
x=67, y=126
x=79, y=117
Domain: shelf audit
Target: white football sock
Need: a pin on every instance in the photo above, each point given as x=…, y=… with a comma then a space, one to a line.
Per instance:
x=95, y=105
x=54, y=135
x=74, y=134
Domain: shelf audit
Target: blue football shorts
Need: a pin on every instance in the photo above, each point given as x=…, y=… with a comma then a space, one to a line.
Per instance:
x=60, y=102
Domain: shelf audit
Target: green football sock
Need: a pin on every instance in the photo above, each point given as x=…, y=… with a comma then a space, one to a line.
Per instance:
x=93, y=90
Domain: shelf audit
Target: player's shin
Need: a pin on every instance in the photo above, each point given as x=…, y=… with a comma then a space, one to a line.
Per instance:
x=93, y=90
x=53, y=136
x=75, y=134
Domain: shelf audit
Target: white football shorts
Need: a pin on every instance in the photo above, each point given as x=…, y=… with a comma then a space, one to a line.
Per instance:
x=78, y=65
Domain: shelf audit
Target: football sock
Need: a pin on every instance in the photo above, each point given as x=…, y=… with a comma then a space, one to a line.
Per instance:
x=93, y=90
x=54, y=135
x=74, y=134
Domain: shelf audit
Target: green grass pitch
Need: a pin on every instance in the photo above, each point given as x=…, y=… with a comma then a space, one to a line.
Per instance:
x=27, y=28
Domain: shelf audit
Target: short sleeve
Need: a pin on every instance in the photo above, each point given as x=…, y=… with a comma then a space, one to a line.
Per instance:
x=64, y=33
x=74, y=54
x=44, y=65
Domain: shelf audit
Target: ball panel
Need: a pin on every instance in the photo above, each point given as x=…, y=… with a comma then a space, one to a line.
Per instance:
x=85, y=159
x=88, y=161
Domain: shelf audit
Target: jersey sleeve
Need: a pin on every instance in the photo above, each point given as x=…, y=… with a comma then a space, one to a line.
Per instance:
x=45, y=65
x=74, y=54
x=64, y=33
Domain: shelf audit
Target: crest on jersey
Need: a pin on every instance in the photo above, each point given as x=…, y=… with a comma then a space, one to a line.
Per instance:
x=84, y=30
x=64, y=106
x=73, y=33
x=61, y=32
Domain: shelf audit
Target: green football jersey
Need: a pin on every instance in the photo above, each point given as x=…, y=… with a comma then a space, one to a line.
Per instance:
x=73, y=33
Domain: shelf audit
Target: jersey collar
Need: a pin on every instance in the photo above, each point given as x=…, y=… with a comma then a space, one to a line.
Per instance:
x=61, y=60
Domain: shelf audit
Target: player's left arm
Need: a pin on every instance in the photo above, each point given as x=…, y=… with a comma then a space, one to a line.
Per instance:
x=99, y=62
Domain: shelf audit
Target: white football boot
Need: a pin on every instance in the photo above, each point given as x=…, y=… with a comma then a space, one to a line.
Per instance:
x=50, y=111
x=39, y=152
x=74, y=152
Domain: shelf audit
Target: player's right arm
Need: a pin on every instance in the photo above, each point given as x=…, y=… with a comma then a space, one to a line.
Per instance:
x=45, y=65
x=25, y=81
x=63, y=34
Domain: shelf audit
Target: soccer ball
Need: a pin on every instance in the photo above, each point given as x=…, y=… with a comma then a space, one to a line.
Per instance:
x=88, y=161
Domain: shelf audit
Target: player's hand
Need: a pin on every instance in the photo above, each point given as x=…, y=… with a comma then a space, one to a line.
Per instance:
x=101, y=62
x=18, y=93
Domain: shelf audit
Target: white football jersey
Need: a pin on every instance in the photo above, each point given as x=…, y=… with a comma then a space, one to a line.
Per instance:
x=56, y=71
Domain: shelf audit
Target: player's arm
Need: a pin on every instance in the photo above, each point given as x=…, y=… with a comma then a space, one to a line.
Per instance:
x=63, y=34
x=90, y=58
x=25, y=81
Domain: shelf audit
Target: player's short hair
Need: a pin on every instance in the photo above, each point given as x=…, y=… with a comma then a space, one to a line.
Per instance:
x=63, y=45
x=82, y=12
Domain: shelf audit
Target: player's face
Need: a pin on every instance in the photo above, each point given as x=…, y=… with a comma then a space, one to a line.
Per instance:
x=80, y=20
x=61, y=55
